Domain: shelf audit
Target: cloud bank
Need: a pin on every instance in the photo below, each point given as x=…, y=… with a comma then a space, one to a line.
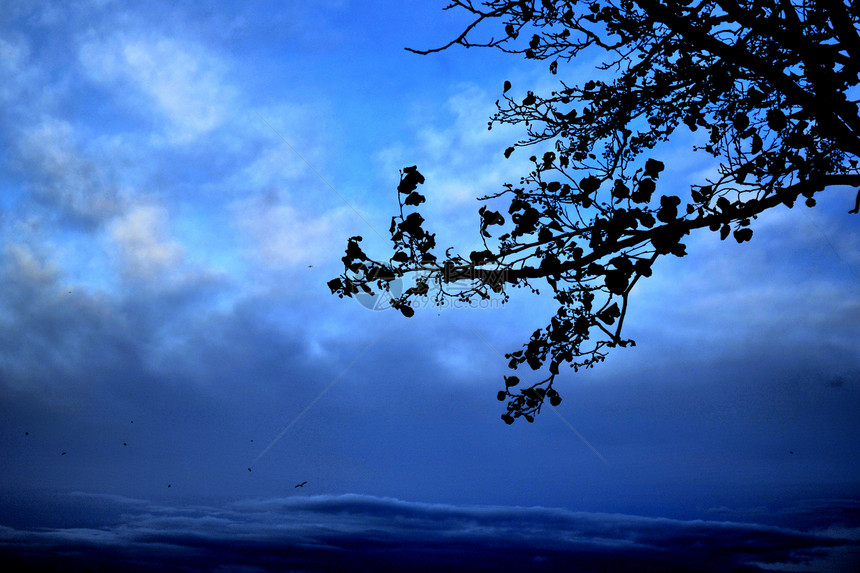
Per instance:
x=365, y=533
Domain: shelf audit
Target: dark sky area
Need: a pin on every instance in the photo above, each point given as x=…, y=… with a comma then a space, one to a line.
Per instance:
x=177, y=184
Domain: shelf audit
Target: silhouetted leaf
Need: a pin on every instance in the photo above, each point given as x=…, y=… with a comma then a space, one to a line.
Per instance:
x=643, y=191
x=653, y=168
x=609, y=315
x=414, y=199
x=742, y=235
x=410, y=179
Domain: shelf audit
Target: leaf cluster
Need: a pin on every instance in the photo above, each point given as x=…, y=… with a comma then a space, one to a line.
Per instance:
x=767, y=87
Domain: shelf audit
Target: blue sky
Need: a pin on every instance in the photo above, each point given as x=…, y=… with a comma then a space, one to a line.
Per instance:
x=177, y=184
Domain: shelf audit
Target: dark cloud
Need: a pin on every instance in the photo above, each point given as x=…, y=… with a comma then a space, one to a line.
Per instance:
x=363, y=533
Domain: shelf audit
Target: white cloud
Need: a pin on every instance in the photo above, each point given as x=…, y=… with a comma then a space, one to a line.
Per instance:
x=460, y=157
x=49, y=152
x=283, y=234
x=27, y=265
x=141, y=236
x=182, y=81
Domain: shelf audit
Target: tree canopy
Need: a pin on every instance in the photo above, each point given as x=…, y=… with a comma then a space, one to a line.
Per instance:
x=770, y=85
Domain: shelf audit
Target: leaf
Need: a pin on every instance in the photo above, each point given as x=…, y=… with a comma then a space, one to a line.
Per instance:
x=412, y=225
x=406, y=310
x=508, y=152
x=776, y=119
x=410, y=179
x=501, y=395
x=400, y=257
x=414, y=199
x=646, y=218
x=353, y=251
x=756, y=144
x=620, y=190
x=589, y=184
x=644, y=191
x=667, y=240
x=668, y=208
x=653, y=168
x=555, y=400
x=526, y=10
x=507, y=86
x=742, y=235
x=616, y=282
x=609, y=315
x=508, y=418
x=511, y=381
x=479, y=257
x=544, y=235
x=643, y=267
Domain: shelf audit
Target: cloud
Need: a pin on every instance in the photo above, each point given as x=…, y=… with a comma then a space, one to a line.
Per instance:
x=365, y=533
x=284, y=235
x=26, y=266
x=453, y=148
x=140, y=234
x=183, y=81
x=49, y=152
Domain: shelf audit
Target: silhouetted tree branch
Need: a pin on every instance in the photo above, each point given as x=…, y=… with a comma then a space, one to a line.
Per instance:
x=768, y=84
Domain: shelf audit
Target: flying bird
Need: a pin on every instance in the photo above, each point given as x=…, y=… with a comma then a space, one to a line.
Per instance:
x=63, y=454
x=302, y=484
x=249, y=469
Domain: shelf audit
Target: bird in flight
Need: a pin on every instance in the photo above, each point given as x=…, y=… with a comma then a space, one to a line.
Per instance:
x=302, y=484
